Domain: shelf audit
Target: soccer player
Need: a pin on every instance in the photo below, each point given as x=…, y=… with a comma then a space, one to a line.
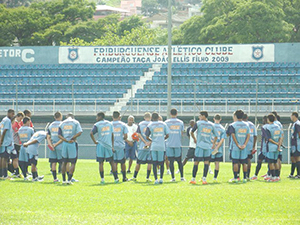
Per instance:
x=105, y=145
x=130, y=145
x=295, y=143
x=240, y=134
x=16, y=126
x=173, y=143
x=277, y=122
x=68, y=131
x=205, y=131
x=218, y=157
x=192, y=145
x=24, y=133
x=157, y=132
x=274, y=140
x=160, y=118
x=6, y=143
x=55, y=155
x=120, y=132
x=32, y=149
x=144, y=155
x=251, y=146
x=263, y=149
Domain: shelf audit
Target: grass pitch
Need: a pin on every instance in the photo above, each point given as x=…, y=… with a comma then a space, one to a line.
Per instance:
x=88, y=202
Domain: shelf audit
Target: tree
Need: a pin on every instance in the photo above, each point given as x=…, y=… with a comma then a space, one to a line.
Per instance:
x=149, y=7
x=292, y=15
x=15, y=3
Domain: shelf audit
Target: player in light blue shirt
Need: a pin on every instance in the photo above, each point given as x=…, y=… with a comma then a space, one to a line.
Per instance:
x=6, y=143
x=240, y=134
x=263, y=149
x=32, y=149
x=120, y=137
x=173, y=143
x=156, y=133
x=274, y=141
x=251, y=146
x=105, y=145
x=218, y=157
x=144, y=154
x=68, y=131
x=295, y=143
x=55, y=143
x=206, y=130
x=24, y=134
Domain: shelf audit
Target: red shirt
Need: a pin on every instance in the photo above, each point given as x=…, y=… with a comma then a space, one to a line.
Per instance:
x=16, y=126
x=31, y=124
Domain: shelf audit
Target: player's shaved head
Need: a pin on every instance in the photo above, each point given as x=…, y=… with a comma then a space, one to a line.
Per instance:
x=217, y=117
x=204, y=113
x=101, y=115
x=245, y=117
x=173, y=112
x=239, y=114
x=116, y=114
x=70, y=115
x=147, y=115
x=155, y=116
x=57, y=115
x=271, y=117
x=26, y=120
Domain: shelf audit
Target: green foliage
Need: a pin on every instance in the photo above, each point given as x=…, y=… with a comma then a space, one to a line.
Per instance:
x=15, y=3
x=88, y=202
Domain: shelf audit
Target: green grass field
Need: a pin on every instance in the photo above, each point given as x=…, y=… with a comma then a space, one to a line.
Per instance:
x=88, y=202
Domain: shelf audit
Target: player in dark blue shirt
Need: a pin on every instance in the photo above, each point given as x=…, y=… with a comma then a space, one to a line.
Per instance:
x=295, y=143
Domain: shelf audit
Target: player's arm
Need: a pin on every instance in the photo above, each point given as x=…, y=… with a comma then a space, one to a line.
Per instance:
x=30, y=143
x=76, y=136
x=60, y=135
x=112, y=141
x=2, y=137
x=148, y=132
x=246, y=142
x=57, y=143
x=235, y=140
x=192, y=133
x=49, y=141
x=93, y=138
x=167, y=136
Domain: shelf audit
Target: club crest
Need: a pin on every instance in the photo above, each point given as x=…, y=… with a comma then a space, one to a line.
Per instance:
x=73, y=54
x=257, y=52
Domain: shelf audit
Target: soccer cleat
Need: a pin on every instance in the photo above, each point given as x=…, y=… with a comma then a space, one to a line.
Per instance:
x=161, y=181
x=156, y=182
x=264, y=175
x=232, y=180
x=56, y=180
x=168, y=172
x=290, y=176
x=26, y=179
x=245, y=180
x=267, y=178
x=41, y=177
x=192, y=182
x=215, y=180
x=297, y=177
x=16, y=176
x=74, y=180
x=102, y=182
x=148, y=180
x=182, y=179
x=178, y=171
x=64, y=182
x=69, y=182
x=37, y=180
x=173, y=180
x=204, y=180
x=125, y=179
x=276, y=179
x=117, y=181
x=253, y=178
x=270, y=180
x=132, y=179
x=8, y=178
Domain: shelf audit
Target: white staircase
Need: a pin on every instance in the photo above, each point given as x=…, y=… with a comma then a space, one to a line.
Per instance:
x=121, y=102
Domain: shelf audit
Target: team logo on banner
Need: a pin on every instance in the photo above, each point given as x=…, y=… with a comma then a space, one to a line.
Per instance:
x=73, y=54
x=257, y=52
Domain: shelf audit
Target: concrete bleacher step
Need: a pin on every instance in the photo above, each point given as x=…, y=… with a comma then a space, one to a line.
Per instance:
x=121, y=102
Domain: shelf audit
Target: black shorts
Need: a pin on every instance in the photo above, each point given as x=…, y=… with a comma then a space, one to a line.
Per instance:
x=280, y=157
x=122, y=161
x=271, y=160
x=55, y=160
x=66, y=160
x=198, y=159
x=17, y=148
x=143, y=162
x=190, y=153
x=261, y=156
x=295, y=154
x=241, y=161
x=219, y=159
x=230, y=155
x=33, y=160
x=101, y=160
x=250, y=156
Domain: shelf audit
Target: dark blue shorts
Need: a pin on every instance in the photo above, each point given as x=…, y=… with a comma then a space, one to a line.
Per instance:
x=261, y=156
x=295, y=154
x=33, y=159
x=101, y=160
x=241, y=161
x=131, y=151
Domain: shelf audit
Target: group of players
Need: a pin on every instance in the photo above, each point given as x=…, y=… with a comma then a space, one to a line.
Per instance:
x=156, y=142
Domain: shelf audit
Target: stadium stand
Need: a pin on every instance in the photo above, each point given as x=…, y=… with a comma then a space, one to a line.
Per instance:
x=102, y=84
